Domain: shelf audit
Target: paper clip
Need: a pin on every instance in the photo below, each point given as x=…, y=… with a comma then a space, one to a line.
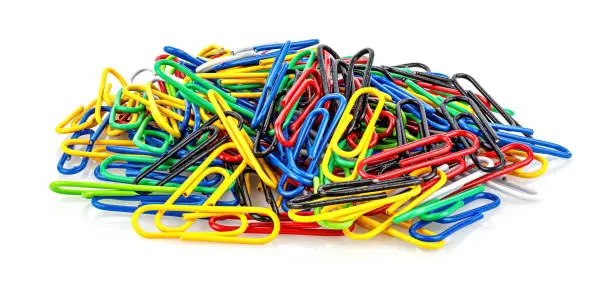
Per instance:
x=360, y=151
x=462, y=220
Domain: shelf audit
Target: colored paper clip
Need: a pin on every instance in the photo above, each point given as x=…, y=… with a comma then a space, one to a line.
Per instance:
x=508, y=168
x=200, y=212
x=262, y=131
x=462, y=220
x=402, y=209
x=244, y=194
x=287, y=226
x=518, y=190
x=437, y=204
x=346, y=190
x=88, y=189
x=537, y=146
x=511, y=121
x=293, y=95
x=315, y=148
x=437, y=156
x=242, y=141
x=74, y=118
x=360, y=151
x=272, y=84
x=195, y=155
x=104, y=203
x=152, y=178
x=61, y=164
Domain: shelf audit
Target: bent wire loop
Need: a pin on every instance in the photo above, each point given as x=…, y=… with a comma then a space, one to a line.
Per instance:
x=490, y=138
x=461, y=220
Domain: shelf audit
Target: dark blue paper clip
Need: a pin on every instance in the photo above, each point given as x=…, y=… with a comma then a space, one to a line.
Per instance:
x=277, y=72
x=294, y=45
x=190, y=61
x=93, y=137
x=314, y=148
x=538, y=146
x=192, y=200
x=293, y=152
x=462, y=220
x=102, y=203
x=130, y=150
x=184, y=124
x=66, y=157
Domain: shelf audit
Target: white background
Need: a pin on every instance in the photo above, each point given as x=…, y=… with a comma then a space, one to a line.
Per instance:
x=549, y=62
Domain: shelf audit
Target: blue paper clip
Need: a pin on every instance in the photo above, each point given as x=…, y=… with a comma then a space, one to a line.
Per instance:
x=66, y=157
x=294, y=45
x=315, y=148
x=190, y=61
x=133, y=169
x=102, y=203
x=462, y=220
x=277, y=72
x=182, y=125
x=538, y=146
x=93, y=137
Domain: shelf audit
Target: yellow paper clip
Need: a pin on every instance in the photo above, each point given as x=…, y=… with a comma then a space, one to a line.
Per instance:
x=360, y=151
x=242, y=140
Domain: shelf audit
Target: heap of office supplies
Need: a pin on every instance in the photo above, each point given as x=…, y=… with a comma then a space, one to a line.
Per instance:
x=291, y=138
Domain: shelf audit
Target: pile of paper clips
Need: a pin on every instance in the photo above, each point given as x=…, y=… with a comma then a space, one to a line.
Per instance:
x=337, y=145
